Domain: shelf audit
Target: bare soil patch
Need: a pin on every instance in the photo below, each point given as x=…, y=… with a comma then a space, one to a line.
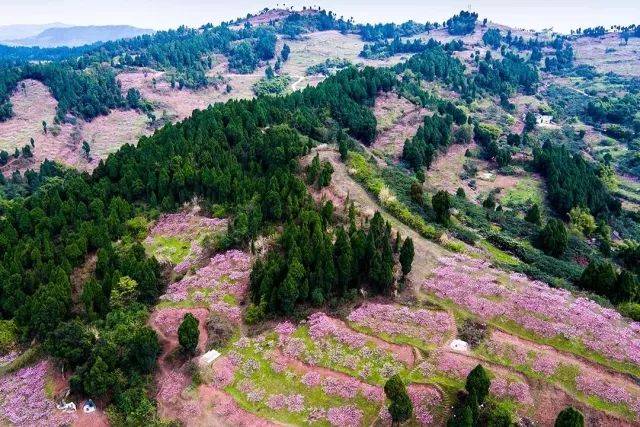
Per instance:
x=398, y=120
x=445, y=174
x=609, y=53
x=174, y=103
x=33, y=104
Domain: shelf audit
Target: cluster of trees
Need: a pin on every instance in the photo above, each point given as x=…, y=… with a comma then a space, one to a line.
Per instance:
x=329, y=66
x=377, y=32
x=83, y=93
x=462, y=23
x=319, y=173
x=84, y=87
x=471, y=407
x=507, y=75
x=592, y=32
x=312, y=264
x=571, y=181
x=435, y=62
x=619, y=110
x=35, y=53
x=486, y=136
x=9, y=78
x=602, y=278
x=271, y=84
x=296, y=23
x=433, y=134
x=348, y=97
x=562, y=59
x=246, y=55
x=384, y=49
x=492, y=37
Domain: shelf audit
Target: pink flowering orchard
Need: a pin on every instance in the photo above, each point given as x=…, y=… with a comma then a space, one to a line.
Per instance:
x=547, y=311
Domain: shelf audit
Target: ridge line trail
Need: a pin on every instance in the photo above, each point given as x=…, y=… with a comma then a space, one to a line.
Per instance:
x=343, y=185
x=295, y=84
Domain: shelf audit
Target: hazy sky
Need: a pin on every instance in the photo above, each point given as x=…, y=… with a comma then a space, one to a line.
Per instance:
x=562, y=15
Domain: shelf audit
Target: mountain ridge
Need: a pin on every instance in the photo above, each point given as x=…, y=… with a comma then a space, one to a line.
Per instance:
x=72, y=36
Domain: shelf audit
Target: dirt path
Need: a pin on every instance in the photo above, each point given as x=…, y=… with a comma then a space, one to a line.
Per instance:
x=294, y=85
x=586, y=367
x=402, y=352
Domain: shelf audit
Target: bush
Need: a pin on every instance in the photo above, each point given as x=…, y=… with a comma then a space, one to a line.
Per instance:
x=533, y=215
x=553, y=238
x=8, y=335
x=582, y=221
x=273, y=86
x=599, y=277
x=631, y=310
x=570, y=417
x=219, y=331
x=473, y=332
x=441, y=205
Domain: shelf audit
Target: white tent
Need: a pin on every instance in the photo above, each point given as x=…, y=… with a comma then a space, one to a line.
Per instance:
x=459, y=345
x=209, y=357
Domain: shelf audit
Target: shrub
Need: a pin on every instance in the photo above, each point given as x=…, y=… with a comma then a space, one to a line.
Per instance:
x=276, y=85
x=8, y=335
x=569, y=417
x=582, y=221
x=533, y=215
x=631, y=310
x=553, y=238
x=598, y=277
x=219, y=331
x=472, y=332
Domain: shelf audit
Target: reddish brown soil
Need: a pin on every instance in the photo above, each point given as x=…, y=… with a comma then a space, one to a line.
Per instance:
x=398, y=120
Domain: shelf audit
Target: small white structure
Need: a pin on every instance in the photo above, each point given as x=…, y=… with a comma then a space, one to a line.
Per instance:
x=459, y=345
x=88, y=407
x=543, y=119
x=66, y=407
x=209, y=357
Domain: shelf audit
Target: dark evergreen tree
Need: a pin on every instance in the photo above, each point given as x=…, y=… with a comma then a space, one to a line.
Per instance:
x=569, y=417
x=441, y=206
x=553, y=238
x=533, y=215
x=478, y=383
x=188, y=334
x=406, y=256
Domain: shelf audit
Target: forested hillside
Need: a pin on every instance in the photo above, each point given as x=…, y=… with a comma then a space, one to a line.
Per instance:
x=443, y=234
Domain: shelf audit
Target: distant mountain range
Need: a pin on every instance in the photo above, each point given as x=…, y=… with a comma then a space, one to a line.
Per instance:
x=64, y=35
x=20, y=31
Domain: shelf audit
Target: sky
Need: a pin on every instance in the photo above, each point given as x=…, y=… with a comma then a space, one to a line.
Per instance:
x=561, y=15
